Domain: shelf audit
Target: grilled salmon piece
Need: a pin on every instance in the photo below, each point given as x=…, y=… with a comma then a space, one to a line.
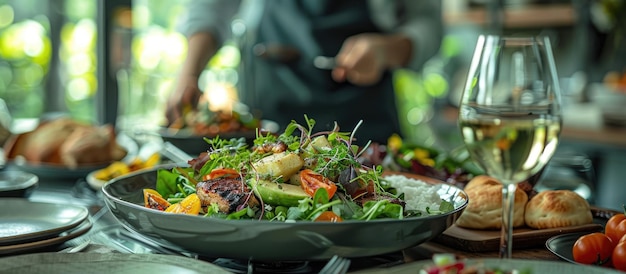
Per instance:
x=227, y=193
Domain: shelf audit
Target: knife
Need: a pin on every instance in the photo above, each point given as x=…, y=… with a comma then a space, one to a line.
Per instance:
x=324, y=62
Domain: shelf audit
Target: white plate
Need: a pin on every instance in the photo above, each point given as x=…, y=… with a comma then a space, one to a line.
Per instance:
x=118, y=263
x=94, y=182
x=534, y=266
x=23, y=220
x=61, y=238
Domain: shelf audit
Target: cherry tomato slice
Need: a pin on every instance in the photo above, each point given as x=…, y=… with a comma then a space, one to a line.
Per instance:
x=594, y=248
x=221, y=172
x=311, y=181
x=153, y=199
x=328, y=216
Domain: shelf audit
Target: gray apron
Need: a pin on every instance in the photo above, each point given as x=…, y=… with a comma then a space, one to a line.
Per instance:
x=285, y=89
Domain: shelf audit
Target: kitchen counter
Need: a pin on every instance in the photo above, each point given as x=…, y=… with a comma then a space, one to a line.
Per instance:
x=581, y=123
x=585, y=123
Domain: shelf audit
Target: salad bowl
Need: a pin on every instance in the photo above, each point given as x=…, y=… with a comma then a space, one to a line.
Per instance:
x=265, y=240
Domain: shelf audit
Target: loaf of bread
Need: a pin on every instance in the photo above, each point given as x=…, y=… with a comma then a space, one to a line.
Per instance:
x=66, y=142
x=484, y=209
x=557, y=208
x=43, y=143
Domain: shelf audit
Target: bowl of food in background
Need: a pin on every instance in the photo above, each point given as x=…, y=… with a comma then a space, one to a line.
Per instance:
x=97, y=178
x=451, y=166
x=190, y=131
x=610, y=96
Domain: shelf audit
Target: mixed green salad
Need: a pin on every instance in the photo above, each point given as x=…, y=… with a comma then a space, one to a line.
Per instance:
x=298, y=175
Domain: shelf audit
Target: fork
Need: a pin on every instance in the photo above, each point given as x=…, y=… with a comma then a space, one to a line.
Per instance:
x=336, y=265
x=81, y=244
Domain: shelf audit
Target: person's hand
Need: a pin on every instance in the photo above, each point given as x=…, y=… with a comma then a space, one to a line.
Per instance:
x=183, y=100
x=361, y=60
x=364, y=57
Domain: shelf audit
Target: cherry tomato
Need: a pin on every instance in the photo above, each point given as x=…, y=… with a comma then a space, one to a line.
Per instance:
x=311, y=181
x=616, y=227
x=619, y=256
x=153, y=199
x=328, y=216
x=221, y=172
x=595, y=248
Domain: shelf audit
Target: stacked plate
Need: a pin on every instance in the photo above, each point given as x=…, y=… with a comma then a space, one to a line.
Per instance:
x=27, y=226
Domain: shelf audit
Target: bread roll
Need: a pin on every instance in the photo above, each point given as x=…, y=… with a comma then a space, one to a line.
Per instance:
x=44, y=142
x=557, y=208
x=90, y=145
x=484, y=209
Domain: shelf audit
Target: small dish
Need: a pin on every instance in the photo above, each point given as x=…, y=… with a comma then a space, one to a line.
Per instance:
x=27, y=221
x=37, y=244
x=93, y=181
x=15, y=183
x=562, y=245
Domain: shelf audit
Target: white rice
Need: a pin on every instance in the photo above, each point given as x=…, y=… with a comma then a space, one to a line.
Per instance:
x=418, y=194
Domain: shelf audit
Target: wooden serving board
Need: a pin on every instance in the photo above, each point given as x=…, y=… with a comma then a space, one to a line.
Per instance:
x=489, y=240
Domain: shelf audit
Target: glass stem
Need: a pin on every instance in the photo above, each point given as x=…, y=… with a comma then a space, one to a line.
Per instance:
x=508, y=203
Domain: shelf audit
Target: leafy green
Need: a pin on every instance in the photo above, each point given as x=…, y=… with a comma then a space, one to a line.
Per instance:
x=166, y=182
x=380, y=209
x=444, y=207
x=245, y=212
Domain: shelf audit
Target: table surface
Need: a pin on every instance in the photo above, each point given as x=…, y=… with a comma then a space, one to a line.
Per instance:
x=426, y=250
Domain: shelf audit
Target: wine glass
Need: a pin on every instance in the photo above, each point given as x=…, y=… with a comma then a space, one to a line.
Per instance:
x=510, y=114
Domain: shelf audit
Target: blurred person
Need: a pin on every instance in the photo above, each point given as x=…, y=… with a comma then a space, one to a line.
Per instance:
x=278, y=80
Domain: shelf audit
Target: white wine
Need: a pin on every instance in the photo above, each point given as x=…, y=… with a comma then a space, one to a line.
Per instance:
x=513, y=147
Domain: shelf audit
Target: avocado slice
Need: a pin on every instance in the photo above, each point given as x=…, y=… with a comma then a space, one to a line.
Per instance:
x=278, y=194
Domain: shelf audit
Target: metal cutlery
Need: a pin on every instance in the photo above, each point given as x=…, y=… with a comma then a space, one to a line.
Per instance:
x=336, y=265
x=84, y=243
x=324, y=62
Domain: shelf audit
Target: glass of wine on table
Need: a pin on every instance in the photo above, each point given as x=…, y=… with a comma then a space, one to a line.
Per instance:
x=510, y=114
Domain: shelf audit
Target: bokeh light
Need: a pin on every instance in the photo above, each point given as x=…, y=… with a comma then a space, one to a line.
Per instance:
x=78, y=89
x=147, y=49
x=7, y=15
x=142, y=16
x=80, y=37
x=32, y=75
x=6, y=76
x=79, y=64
